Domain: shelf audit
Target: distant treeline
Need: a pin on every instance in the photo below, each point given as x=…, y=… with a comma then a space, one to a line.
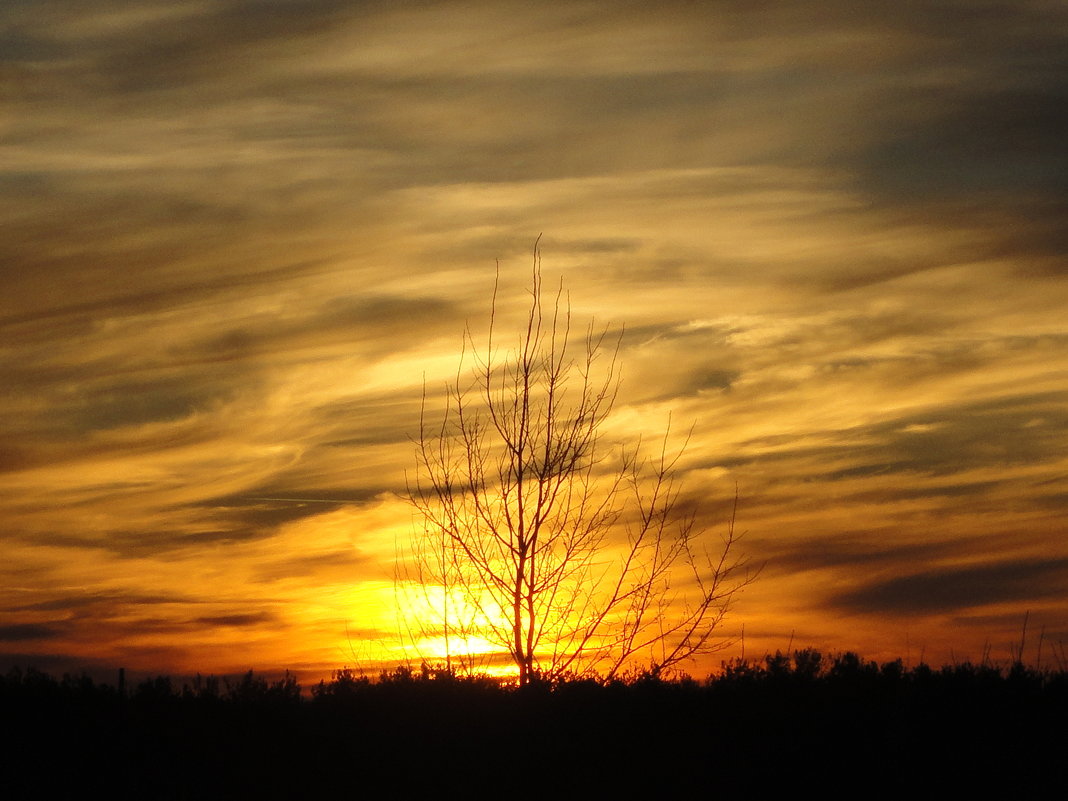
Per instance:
x=801, y=722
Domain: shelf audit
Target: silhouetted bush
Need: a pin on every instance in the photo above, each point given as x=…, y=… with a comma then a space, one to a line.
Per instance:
x=785, y=723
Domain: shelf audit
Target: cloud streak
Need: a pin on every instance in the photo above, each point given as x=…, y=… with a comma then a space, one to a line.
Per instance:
x=957, y=589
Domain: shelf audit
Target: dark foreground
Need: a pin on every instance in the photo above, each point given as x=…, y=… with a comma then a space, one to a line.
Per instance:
x=837, y=728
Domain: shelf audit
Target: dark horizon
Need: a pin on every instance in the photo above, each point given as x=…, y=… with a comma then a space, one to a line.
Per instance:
x=776, y=727
x=240, y=236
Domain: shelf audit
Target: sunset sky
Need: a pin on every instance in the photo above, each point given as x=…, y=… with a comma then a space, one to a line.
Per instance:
x=237, y=235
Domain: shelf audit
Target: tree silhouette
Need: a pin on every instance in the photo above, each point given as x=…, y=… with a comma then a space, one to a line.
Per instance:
x=537, y=537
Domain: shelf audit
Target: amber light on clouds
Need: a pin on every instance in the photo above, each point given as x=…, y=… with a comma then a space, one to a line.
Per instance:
x=236, y=237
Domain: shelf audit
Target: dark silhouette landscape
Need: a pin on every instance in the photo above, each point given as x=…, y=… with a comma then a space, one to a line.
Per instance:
x=283, y=385
x=803, y=724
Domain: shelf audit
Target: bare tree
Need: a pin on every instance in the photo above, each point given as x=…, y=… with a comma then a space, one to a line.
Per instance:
x=573, y=555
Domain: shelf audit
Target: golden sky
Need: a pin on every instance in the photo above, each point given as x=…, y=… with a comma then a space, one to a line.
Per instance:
x=236, y=235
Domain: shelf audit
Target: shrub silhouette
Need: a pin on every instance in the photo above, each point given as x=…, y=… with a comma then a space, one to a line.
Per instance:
x=783, y=724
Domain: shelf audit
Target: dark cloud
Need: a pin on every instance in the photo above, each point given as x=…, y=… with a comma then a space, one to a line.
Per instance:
x=969, y=134
x=994, y=433
x=713, y=379
x=1054, y=501
x=155, y=542
x=950, y=589
x=142, y=401
x=66, y=603
x=239, y=620
x=351, y=321
x=600, y=245
x=933, y=491
x=159, y=542
x=697, y=382
x=263, y=503
x=150, y=47
x=864, y=550
x=376, y=418
x=1006, y=142
x=52, y=302
x=942, y=440
x=14, y=457
x=339, y=565
x=267, y=514
x=20, y=632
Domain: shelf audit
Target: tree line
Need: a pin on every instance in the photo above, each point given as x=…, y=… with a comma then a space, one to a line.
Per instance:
x=786, y=722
